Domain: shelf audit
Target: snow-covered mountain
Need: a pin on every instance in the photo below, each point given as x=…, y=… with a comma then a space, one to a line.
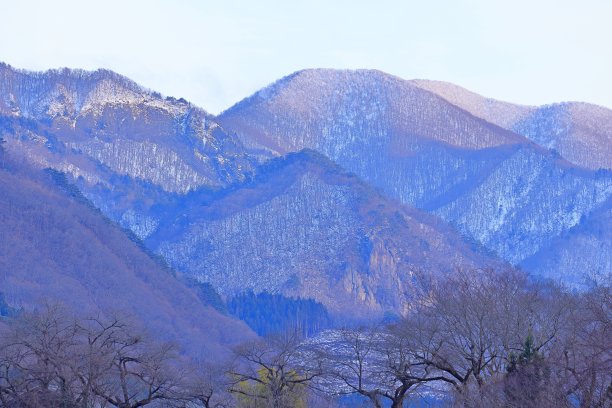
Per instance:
x=579, y=132
x=237, y=201
x=583, y=251
x=297, y=225
x=338, y=111
x=100, y=117
x=497, y=186
x=305, y=228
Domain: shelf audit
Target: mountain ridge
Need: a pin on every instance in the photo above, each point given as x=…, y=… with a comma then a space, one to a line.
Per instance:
x=307, y=192
x=108, y=118
x=535, y=121
x=513, y=117
x=305, y=90
x=315, y=231
x=493, y=184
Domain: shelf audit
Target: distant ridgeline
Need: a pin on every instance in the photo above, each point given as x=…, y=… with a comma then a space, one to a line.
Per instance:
x=269, y=314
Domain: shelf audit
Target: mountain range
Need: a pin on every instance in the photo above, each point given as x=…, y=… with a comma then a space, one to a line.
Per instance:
x=418, y=145
x=331, y=185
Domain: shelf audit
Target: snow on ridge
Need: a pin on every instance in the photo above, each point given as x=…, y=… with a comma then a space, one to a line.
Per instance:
x=307, y=107
x=68, y=92
x=492, y=110
x=109, y=92
x=177, y=174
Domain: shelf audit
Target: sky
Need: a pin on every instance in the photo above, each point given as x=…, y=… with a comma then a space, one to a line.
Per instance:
x=214, y=53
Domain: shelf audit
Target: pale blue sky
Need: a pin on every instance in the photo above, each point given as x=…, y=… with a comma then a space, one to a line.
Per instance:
x=214, y=53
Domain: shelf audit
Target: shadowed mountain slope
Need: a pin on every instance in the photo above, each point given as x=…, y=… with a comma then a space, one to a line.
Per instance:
x=583, y=255
x=54, y=247
x=299, y=226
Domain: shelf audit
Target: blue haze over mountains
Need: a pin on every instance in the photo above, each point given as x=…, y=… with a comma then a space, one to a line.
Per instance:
x=332, y=185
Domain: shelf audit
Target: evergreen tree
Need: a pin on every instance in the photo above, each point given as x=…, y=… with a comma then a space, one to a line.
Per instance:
x=269, y=314
x=527, y=377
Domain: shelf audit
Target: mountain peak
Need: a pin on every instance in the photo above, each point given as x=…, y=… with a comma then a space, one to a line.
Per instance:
x=310, y=106
x=362, y=104
x=70, y=92
x=492, y=110
x=580, y=132
x=313, y=79
x=74, y=74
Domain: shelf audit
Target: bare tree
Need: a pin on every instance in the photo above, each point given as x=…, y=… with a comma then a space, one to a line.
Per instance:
x=583, y=359
x=347, y=356
x=272, y=373
x=452, y=331
x=37, y=361
x=207, y=385
x=491, y=338
x=375, y=363
x=131, y=370
x=48, y=359
x=468, y=325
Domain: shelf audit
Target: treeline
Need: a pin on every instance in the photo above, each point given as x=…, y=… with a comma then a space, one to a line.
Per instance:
x=49, y=359
x=265, y=313
x=474, y=338
x=272, y=314
x=478, y=338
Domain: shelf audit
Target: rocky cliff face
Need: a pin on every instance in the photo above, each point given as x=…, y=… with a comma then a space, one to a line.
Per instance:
x=303, y=227
x=107, y=119
x=510, y=194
